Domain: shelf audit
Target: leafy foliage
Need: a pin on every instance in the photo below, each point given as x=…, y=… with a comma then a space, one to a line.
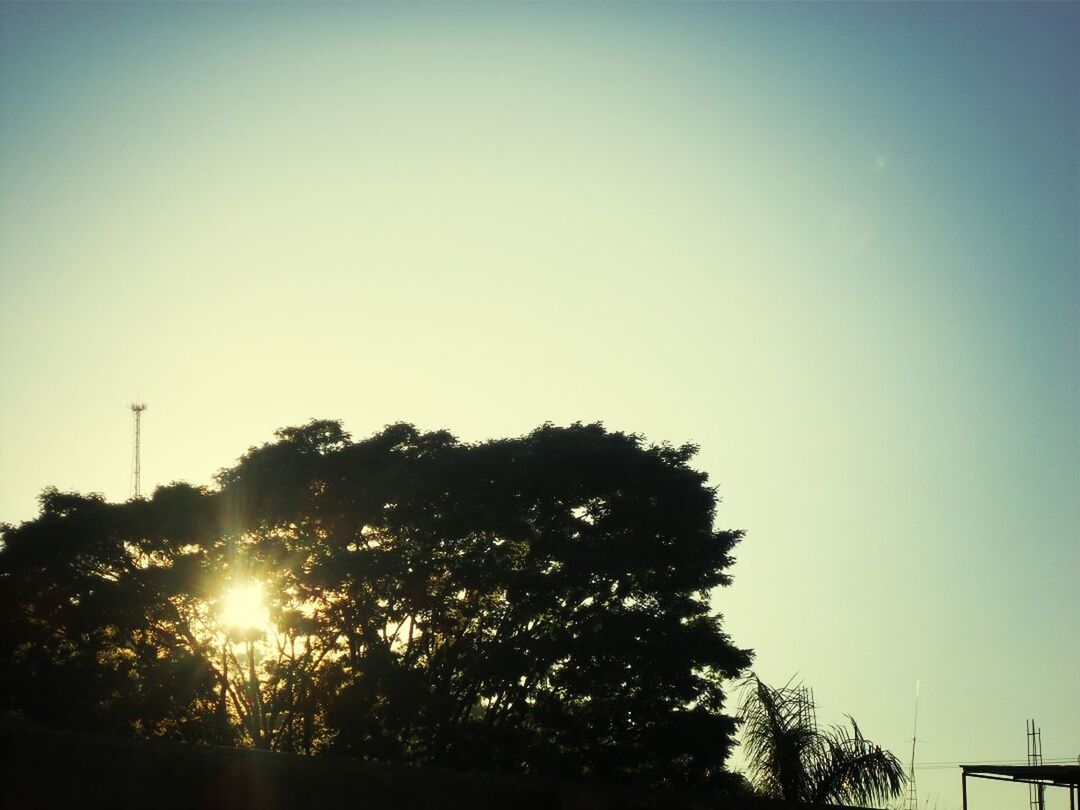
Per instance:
x=538, y=604
x=791, y=759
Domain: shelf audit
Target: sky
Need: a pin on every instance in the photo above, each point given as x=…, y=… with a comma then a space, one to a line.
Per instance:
x=834, y=245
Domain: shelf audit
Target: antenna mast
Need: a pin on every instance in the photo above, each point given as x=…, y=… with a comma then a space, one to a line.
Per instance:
x=136, y=463
x=911, y=799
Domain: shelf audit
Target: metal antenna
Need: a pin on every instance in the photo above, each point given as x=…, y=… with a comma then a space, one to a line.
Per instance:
x=911, y=799
x=136, y=464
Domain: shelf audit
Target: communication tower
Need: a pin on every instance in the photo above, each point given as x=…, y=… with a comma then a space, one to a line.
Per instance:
x=136, y=463
x=911, y=797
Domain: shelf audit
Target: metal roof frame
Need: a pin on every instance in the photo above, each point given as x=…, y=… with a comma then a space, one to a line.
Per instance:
x=1066, y=776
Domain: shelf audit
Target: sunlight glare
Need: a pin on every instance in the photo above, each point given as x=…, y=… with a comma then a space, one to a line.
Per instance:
x=244, y=607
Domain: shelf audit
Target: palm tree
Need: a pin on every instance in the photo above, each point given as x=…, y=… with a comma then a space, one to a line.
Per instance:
x=789, y=758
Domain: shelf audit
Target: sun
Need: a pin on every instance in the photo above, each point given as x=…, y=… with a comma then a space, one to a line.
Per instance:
x=243, y=607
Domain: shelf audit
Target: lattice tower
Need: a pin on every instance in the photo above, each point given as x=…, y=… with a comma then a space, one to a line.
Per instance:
x=1036, y=792
x=136, y=461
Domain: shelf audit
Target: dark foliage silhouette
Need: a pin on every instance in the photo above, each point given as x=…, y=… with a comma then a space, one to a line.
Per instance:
x=536, y=605
x=791, y=759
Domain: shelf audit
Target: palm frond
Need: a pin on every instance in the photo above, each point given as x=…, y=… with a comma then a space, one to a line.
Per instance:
x=775, y=738
x=850, y=769
x=789, y=758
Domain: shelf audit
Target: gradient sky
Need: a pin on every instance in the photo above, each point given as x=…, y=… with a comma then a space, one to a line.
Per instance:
x=834, y=245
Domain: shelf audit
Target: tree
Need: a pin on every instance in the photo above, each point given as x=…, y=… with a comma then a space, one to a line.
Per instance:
x=791, y=759
x=92, y=632
x=539, y=604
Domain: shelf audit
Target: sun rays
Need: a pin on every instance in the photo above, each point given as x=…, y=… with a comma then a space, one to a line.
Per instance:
x=243, y=608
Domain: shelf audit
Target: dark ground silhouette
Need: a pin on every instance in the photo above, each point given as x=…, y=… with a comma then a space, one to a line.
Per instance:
x=46, y=768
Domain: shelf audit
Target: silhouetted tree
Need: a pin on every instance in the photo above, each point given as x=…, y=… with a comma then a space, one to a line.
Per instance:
x=538, y=604
x=93, y=633
x=791, y=759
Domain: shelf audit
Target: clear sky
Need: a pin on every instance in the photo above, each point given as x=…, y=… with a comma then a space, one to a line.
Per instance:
x=835, y=245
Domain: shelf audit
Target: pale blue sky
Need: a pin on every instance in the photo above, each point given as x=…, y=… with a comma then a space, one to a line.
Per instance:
x=835, y=245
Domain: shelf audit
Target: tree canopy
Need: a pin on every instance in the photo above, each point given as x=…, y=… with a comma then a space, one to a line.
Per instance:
x=537, y=604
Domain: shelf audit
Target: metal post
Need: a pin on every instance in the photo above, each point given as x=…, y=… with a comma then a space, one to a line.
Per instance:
x=963, y=782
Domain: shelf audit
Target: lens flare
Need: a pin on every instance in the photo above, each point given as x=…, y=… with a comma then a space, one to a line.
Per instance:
x=243, y=607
